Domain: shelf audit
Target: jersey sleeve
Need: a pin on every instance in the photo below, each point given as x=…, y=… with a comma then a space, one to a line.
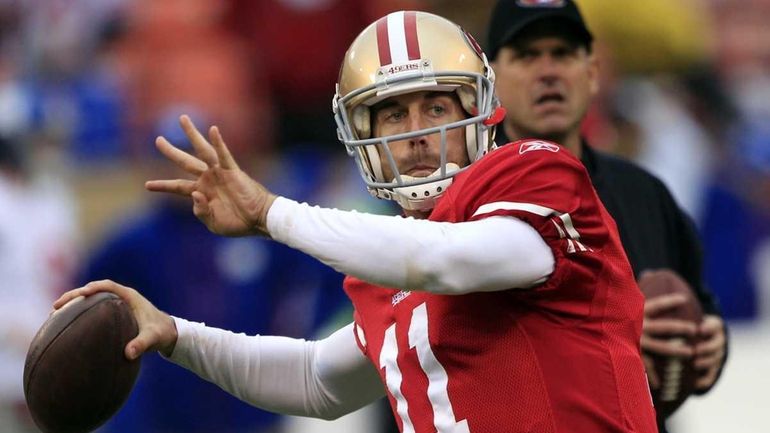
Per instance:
x=547, y=187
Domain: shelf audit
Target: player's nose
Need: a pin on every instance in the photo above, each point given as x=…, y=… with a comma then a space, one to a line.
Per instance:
x=417, y=122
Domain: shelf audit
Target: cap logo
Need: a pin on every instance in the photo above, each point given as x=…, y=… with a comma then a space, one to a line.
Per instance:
x=540, y=3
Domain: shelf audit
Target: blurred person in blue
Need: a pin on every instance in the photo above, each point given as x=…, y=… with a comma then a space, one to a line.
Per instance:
x=734, y=268
x=250, y=285
x=547, y=76
x=75, y=91
x=736, y=223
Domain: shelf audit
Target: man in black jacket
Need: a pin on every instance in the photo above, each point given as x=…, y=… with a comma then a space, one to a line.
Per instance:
x=547, y=75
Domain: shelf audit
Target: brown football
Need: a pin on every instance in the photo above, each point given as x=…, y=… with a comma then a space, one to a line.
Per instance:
x=677, y=375
x=76, y=375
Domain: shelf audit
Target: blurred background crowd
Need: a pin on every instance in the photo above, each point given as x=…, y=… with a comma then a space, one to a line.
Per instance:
x=86, y=85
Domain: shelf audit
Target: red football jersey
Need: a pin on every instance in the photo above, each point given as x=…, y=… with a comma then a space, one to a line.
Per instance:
x=562, y=357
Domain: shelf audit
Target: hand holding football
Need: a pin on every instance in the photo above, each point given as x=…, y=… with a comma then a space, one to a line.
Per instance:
x=672, y=314
x=76, y=375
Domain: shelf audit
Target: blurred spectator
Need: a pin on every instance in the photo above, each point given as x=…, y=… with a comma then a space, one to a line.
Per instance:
x=301, y=44
x=74, y=94
x=37, y=238
x=179, y=52
x=38, y=229
x=736, y=224
x=667, y=139
x=646, y=107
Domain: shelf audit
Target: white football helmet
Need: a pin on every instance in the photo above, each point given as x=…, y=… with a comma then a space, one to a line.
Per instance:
x=404, y=52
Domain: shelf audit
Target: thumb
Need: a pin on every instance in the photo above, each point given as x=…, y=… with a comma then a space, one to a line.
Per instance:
x=136, y=347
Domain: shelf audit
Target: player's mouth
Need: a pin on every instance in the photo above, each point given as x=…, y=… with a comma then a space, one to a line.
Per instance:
x=421, y=170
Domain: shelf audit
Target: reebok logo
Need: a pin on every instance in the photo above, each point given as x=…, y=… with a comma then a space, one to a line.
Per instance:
x=538, y=145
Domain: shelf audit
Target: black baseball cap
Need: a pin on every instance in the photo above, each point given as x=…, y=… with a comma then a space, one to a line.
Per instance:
x=509, y=17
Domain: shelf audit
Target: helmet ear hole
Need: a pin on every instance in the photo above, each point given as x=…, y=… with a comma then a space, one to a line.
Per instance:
x=362, y=122
x=373, y=155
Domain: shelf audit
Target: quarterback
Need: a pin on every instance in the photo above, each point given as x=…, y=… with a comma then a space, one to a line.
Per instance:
x=501, y=301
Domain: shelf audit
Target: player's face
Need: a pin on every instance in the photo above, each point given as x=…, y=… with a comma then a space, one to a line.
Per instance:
x=420, y=156
x=546, y=85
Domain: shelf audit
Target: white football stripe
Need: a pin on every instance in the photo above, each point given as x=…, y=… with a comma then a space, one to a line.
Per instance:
x=397, y=38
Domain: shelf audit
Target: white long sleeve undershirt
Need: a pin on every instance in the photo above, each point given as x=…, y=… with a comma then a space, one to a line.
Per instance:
x=495, y=253
x=331, y=377
x=324, y=379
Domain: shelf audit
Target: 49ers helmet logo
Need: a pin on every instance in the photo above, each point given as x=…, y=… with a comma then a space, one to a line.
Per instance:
x=540, y=3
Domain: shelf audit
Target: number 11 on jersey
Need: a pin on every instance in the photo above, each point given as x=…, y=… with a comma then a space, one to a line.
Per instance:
x=443, y=414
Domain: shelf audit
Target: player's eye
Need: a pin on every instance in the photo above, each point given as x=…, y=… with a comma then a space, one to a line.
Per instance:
x=437, y=110
x=392, y=116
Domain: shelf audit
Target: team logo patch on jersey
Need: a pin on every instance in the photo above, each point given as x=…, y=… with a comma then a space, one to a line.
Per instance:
x=540, y=3
x=538, y=145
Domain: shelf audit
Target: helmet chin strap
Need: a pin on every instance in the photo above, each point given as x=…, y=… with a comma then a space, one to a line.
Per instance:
x=423, y=197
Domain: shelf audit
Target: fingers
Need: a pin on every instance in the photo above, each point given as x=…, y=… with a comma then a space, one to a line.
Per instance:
x=713, y=360
x=710, y=353
x=662, y=303
x=667, y=347
x=652, y=375
x=182, y=159
x=665, y=326
x=712, y=345
x=176, y=186
x=66, y=297
x=202, y=147
x=711, y=325
x=707, y=379
x=156, y=329
x=226, y=159
x=90, y=289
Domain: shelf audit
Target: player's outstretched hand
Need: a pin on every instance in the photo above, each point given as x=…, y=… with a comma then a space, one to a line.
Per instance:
x=157, y=330
x=225, y=199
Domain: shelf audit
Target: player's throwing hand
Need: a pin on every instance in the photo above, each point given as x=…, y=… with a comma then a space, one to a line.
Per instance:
x=157, y=330
x=225, y=199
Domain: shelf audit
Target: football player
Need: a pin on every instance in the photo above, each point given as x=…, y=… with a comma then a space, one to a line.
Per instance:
x=501, y=301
